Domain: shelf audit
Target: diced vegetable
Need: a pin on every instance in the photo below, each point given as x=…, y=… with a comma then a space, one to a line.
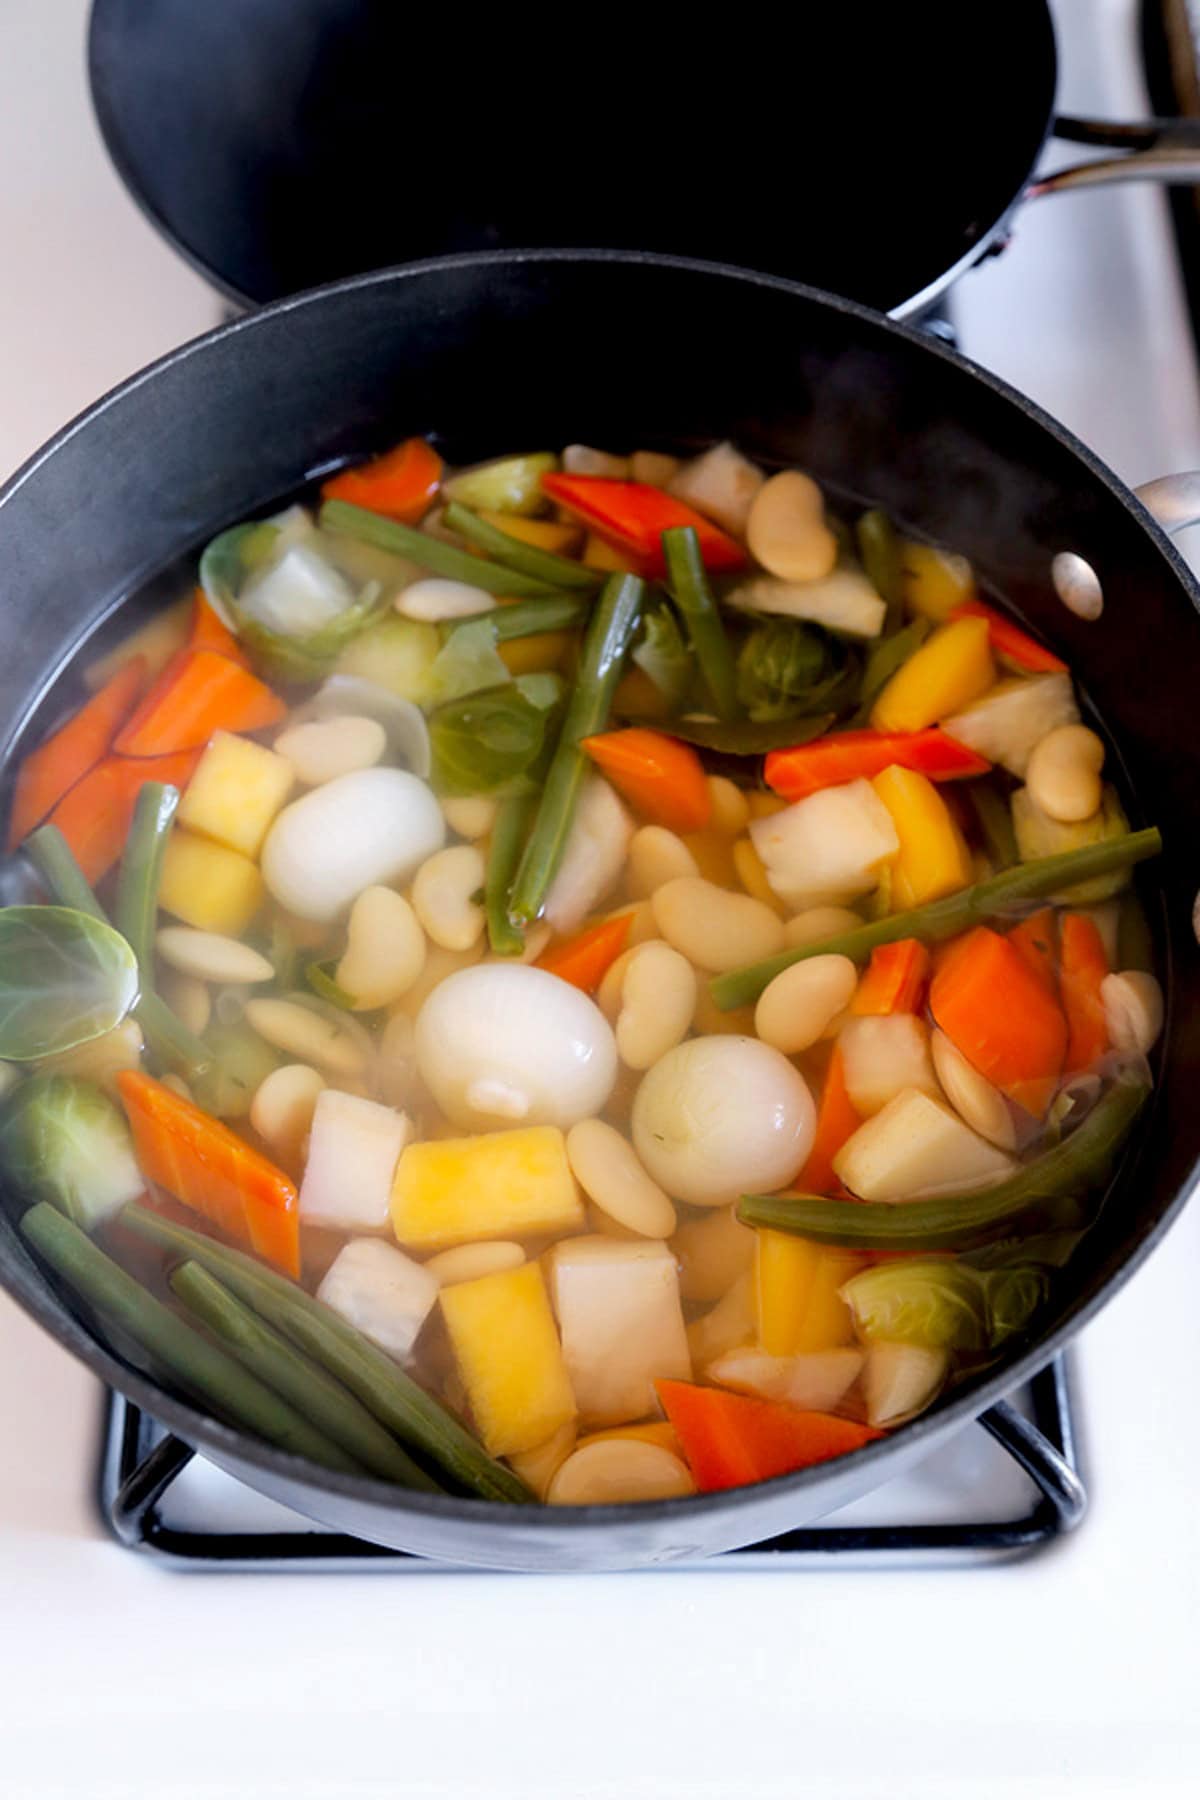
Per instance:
x=842, y=601
x=65, y=757
x=837, y=1121
x=827, y=848
x=210, y=632
x=380, y=1291
x=854, y=755
x=513, y=484
x=197, y=693
x=900, y=1380
x=560, y=538
x=882, y=1055
x=396, y=654
x=999, y=1014
x=236, y=791
x=662, y=778
x=895, y=980
x=1083, y=965
x=618, y=1309
x=64, y=1141
x=949, y=671
x=156, y=640
x=730, y=1441
x=916, y=1147
x=402, y=483
x=934, y=582
x=375, y=826
x=712, y=1251
x=519, y=1399
x=933, y=859
x=1039, y=836
x=1038, y=1196
x=796, y=1294
x=727, y=1326
x=1035, y=940
x=209, y=886
x=605, y=645
x=817, y=1381
x=633, y=516
x=584, y=960
x=1010, y=642
x=946, y=918
x=212, y=1170
x=353, y=1148
x=499, y=1184
x=95, y=815
x=1007, y=723
x=721, y=483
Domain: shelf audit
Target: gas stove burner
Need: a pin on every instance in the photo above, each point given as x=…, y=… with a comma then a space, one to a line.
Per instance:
x=992, y=1495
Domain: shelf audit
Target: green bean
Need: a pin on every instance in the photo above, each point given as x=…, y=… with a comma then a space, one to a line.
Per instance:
x=883, y=659
x=879, y=552
x=201, y=1367
x=526, y=559
x=526, y=618
x=941, y=919
x=688, y=581
x=606, y=643
x=508, y=840
x=430, y=552
x=995, y=824
x=169, y=1040
x=380, y=1383
x=332, y=1408
x=1035, y=1195
x=744, y=737
x=141, y=869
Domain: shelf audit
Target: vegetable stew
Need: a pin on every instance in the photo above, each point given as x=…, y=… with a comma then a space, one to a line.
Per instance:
x=588, y=978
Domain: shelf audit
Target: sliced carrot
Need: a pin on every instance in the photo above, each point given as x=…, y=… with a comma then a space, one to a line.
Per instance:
x=198, y=693
x=95, y=816
x=805, y=769
x=210, y=632
x=1035, y=940
x=212, y=1170
x=837, y=1120
x=731, y=1441
x=895, y=979
x=51, y=770
x=1009, y=641
x=997, y=1011
x=632, y=515
x=400, y=484
x=662, y=778
x=586, y=958
x=1082, y=967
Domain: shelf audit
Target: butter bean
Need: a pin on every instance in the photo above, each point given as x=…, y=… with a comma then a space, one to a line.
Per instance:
x=658, y=998
x=1133, y=1010
x=715, y=929
x=323, y=749
x=1063, y=776
x=282, y=1110
x=657, y=856
x=607, y=1169
x=210, y=957
x=794, y=1010
x=786, y=528
x=385, y=949
x=442, y=896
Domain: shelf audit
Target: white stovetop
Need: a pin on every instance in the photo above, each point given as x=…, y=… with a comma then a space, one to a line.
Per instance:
x=1074, y=1673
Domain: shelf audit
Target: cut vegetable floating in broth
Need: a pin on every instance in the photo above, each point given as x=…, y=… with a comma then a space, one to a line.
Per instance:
x=594, y=935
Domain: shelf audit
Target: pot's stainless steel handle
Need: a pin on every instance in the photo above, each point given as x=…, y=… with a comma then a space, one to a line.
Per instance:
x=1162, y=150
x=1173, y=501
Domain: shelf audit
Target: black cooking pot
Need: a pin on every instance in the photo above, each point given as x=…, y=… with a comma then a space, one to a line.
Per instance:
x=492, y=353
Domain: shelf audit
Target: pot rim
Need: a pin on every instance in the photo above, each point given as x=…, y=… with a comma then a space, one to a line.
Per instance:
x=201, y=1429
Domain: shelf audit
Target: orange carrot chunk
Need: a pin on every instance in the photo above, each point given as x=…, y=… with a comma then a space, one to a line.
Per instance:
x=95, y=816
x=804, y=769
x=895, y=979
x=210, y=632
x=837, y=1120
x=198, y=693
x=51, y=770
x=1035, y=940
x=586, y=958
x=632, y=515
x=401, y=484
x=730, y=1440
x=212, y=1171
x=661, y=778
x=1008, y=640
x=1082, y=967
x=998, y=1012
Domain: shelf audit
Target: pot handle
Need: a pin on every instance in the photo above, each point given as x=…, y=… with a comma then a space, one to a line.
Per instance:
x=1173, y=501
x=1164, y=150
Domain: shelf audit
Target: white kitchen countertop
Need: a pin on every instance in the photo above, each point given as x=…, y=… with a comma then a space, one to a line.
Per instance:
x=1076, y=1672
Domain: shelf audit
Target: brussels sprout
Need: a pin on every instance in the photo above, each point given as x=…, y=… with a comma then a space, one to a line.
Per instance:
x=786, y=668
x=922, y=1301
x=65, y=1141
x=65, y=978
x=493, y=742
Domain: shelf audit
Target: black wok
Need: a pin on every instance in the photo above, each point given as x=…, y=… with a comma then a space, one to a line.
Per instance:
x=491, y=353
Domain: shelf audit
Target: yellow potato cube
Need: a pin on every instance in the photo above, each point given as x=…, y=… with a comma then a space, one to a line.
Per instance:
x=560, y=539
x=950, y=670
x=933, y=581
x=502, y=1184
x=208, y=885
x=796, y=1294
x=933, y=859
x=506, y=1346
x=236, y=791
x=598, y=554
x=531, y=655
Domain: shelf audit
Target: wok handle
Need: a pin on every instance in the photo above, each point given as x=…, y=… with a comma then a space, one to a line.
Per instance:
x=1163, y=150
x=1173, y=501
x=1045, y=1465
